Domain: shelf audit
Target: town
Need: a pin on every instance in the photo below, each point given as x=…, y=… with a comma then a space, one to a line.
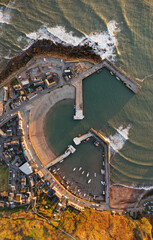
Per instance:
x=29, y=170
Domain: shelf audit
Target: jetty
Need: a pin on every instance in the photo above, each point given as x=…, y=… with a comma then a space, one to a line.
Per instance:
x=120, y=75
x=104, y=141
x=78, y=140
x=78, y=100
x=70, y=150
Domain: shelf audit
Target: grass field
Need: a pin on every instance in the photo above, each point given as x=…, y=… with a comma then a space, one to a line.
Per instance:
x=4, y=176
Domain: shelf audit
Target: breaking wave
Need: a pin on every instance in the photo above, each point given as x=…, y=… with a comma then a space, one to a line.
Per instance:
x=135, y=187
x=118, y=140
x=5, y=12
x=103, y=43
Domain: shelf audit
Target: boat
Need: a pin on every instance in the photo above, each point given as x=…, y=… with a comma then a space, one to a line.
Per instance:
x=61, y=161
x=89, y=180
x=96, y=143
x=86, y=140
x=111, y=73
x=74, y=169
x=58, y=169
x=88, y=174
x=95, y=175
x=83, y=172
x=63, y=177
x=103, y=163
x=80, y=168
x=54, y=170
x=117, y=78
x=102, y=171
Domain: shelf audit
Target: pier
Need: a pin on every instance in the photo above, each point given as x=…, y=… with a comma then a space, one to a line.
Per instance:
x=78, y=100
x=78, y=140
x=104, y=141
x=70, y=150
x=128, y=81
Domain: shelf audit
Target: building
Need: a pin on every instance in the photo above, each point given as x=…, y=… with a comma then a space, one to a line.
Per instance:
x=17, y=87
x=36, y=79
x=5, y=94
x=1, y=108
x=19, y=198
x=25, y=83
x=75, y=205
x=11, y=92
x=38, y=83
x=49, y=84
x=31, y=95
x=26, y=168
x=11, y=143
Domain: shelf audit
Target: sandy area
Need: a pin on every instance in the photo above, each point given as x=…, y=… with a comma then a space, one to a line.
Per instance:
x=123, y=197
x=37, y=118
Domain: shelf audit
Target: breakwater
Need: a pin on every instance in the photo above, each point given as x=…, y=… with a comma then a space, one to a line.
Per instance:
x=128, y=81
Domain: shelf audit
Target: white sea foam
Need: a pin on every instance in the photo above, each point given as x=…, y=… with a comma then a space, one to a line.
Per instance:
x=118, y=140
x=103, y=43
x=135, y=187
x=5, y=12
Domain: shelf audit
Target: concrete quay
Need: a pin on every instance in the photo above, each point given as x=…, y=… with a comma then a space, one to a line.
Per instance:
x=130, y=83
x=78, y=100
x=105, y=143
x=78, y=140
x=70, y=150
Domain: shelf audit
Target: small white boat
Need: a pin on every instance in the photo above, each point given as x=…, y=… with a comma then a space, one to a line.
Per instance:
x=103, y=163
x=74, y=169
x=58, y=169
x=83, y=172
x=88, y=174
x=61, y=161
x=102, y=171
x=103, y=182
x=89, y=180
x=80, y=168
x=111, y=73
x=54, y=170
x=95, y=174
x=117, y=78
x=63, y=177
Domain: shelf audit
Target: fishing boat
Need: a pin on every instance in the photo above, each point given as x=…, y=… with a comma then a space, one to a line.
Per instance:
x=95, y=175
x=88, y=174
x=80, y=168
x=86, y=140
x=111, y=73
x=74, y=169
x=83, y=172
x=117, y=78
x=89, y=180
x=96, y=143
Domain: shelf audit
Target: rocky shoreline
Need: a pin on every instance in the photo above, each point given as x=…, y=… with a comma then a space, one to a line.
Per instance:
x=41, y=47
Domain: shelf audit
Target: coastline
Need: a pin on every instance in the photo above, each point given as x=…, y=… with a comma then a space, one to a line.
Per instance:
x=44, y=47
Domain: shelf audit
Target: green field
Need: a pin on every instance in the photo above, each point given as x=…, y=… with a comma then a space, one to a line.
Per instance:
x=4, y=176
